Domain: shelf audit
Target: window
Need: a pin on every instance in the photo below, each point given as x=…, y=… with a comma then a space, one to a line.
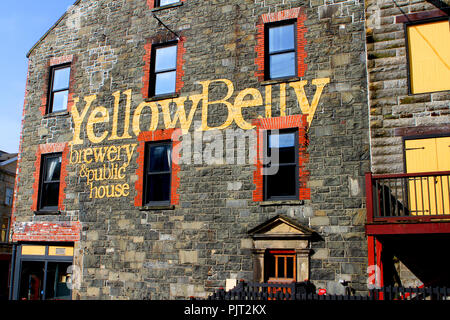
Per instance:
x=9, y=196
x=281, y=177
x=280, y=265
x=163, y=70
x=280, y=51
x=49, y=183
x=4, y=230
x=59, y=88
x=429, y=56
x=161, y=3
x=158, y=174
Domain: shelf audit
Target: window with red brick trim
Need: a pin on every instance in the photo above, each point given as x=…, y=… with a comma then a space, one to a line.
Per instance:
x=163, y=72
x=49, y=182
x=158, y=173
x=49, y=186
x=58, y=84
x=164, y=145
x=290, y=133
x=59, y=88
x=163, y=60
x=280, y=49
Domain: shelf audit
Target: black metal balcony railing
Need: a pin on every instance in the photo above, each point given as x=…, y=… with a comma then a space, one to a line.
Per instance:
x=417, y=195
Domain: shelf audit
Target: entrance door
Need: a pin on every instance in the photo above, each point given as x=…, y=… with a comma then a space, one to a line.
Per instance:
x=428, y=195
x=32, y=280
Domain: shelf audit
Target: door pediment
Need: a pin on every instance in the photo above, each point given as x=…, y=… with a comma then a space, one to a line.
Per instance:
x=281, y=227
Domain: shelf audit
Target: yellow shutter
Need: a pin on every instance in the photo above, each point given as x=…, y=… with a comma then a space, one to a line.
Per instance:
x=428, y=195
x=429, y=56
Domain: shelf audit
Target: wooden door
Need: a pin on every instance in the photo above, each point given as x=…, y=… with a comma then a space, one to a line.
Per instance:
x=428, y=195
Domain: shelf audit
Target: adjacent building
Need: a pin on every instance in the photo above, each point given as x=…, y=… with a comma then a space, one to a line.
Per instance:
x=408, y=49
x=8, y=163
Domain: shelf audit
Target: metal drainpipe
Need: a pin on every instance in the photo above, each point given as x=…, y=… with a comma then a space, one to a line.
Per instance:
x=12, y=271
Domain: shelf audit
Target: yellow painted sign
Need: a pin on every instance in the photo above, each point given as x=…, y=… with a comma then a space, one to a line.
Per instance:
x=246, y=98
x=104, y=168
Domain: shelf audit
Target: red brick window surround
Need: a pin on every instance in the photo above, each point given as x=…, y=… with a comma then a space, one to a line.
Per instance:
x=296, y=15
x=52, y=64
x=146, y=79
x=49, y=149
x=298, y=122
x=169, y=135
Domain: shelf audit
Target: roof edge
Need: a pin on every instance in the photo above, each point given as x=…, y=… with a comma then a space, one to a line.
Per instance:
x=49, y=30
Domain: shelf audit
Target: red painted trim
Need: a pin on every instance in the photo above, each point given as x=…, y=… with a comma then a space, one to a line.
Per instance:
x=282, y=251
x=158, y=135
x=379, y=264
x=296, y=121
x=295, y=13
x=419, y=16
x=408, y=228
x=413, y=219
x=408, y=175
x=46, y=149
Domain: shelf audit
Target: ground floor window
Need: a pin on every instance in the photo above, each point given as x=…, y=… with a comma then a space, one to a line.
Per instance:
x=280, y=265
x=43, y=273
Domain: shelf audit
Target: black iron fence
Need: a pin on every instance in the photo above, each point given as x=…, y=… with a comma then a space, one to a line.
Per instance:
x=305, y=291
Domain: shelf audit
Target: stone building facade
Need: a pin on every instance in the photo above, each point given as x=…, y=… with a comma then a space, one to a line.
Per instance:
x=219, y=219
x=408, y=72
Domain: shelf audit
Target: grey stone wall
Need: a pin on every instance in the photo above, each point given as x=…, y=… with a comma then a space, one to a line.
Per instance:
x=392, y=109
x=127, y=253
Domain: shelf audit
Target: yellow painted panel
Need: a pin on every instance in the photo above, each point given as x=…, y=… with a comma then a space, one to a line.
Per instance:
x=421, y=155
x=443, y=150
x=429, y=54
x=60, y=251
x=428, y=195
x=33, y=250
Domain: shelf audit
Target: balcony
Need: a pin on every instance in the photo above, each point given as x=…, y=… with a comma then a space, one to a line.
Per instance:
x=408, y=203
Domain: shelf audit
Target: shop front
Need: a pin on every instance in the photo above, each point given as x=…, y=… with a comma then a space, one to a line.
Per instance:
x=43, y=272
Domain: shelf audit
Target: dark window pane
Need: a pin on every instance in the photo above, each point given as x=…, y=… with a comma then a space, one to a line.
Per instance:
x=31, y=280
x=50, y=194
x=271, y=270
x=57, y=281
x=166, y=58
x=60, y=101
x=282, y=65
x=53, y=169
x=280, y=267
x=290, y=267
x=283, y=183
x=165, y=83
x=158, y=187
x=281, y=38
x=283, y=155
x=61, y=79
x=160, y=158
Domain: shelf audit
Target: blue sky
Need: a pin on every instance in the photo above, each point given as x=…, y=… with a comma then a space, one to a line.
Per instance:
x=22, y=24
